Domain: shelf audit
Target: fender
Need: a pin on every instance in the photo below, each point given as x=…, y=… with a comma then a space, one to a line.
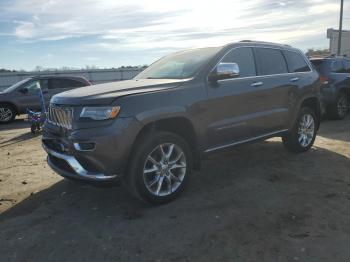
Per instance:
x=161, y=113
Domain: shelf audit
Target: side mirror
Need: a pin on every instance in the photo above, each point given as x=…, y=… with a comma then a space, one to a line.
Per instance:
x=23, y=90
x=224, y=71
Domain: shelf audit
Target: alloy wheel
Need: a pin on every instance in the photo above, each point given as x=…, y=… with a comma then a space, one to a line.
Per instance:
x=164, y=169
x=306, y=130
x=5, y=114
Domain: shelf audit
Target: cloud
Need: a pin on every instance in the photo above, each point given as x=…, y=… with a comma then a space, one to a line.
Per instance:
x=116, y=25
x=145, y=30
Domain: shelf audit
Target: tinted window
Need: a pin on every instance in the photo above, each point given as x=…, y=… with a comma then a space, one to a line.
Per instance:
x=337, y=66
x=270, y=61
x=347, y=66
x=317, y=64
x=44, y=84
x=65, y=83
x=296, y=63
x=244, y=57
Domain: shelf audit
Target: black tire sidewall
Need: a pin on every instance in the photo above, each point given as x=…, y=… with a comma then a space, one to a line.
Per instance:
x=134, y=177
x=336, y=111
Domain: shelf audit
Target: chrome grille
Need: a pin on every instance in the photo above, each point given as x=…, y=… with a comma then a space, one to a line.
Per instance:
x=60, y=116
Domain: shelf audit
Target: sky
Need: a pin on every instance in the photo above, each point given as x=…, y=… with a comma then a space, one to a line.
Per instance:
x=113, y=33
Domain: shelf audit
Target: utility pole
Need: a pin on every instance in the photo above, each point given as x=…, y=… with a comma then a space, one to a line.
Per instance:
x=340, y=26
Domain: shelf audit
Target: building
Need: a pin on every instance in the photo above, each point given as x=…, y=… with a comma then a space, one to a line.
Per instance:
x=333, y=36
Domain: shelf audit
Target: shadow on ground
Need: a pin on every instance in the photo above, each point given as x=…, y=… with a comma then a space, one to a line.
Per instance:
x=18, y=139
x=253, y=203
x=16, y=124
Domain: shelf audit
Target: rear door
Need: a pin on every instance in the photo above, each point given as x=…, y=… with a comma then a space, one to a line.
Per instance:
x=299, y=78
x=277, y=89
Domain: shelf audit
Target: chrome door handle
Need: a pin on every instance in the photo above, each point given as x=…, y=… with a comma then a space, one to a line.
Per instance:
x=294, y=79
x=257, y=84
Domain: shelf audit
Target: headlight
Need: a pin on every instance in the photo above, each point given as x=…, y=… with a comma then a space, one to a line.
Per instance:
x=100, y=112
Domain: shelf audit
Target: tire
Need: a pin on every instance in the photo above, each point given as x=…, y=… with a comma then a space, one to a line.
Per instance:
x=299, y=141
x=159, y=168
x=340, y=108
x=7, y=114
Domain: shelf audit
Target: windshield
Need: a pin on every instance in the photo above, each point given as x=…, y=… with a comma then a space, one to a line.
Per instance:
x=180, y=65
x=13, y=87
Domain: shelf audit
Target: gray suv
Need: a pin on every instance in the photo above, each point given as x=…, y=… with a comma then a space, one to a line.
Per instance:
x=335, y=77
x=152, y=131
x=16, y=99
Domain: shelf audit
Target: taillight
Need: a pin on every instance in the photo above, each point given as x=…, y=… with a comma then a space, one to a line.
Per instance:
x=324, y=80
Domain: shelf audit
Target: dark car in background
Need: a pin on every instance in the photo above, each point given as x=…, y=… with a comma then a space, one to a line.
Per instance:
x=335, y=76
x=15, y=99
x=151, y=131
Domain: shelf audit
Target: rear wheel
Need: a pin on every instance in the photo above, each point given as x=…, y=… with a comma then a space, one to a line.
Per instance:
x=302, y=136
x=7, y=114
x=340, y=108
x=159, y=168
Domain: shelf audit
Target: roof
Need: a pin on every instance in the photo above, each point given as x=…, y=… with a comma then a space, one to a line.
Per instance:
x=58, y=76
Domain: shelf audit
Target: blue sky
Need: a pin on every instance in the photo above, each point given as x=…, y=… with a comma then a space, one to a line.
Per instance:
x=112, y=33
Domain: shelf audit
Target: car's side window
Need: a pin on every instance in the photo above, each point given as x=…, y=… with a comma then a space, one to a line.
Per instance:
x=296, y=63
x=55, y=83
x=244, y=57
x=270, y=61
x=44, y=83
x=72, y=83
x=347, y=66
x=33, y=87
x=337, y=66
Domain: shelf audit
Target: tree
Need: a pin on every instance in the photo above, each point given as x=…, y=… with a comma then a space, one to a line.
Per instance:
x=318, y=52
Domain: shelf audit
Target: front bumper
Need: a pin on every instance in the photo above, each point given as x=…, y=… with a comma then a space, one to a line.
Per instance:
x=73, y=165
x=105, y=160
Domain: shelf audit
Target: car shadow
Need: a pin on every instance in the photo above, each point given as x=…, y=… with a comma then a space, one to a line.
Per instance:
x=231, y=193
x=16, y=124
x=18, y=139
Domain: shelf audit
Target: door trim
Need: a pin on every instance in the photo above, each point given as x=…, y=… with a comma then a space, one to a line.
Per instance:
x=245, y=141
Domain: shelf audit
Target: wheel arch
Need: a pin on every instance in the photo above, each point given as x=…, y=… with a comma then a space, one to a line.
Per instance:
x=179, y=125
x=12, y=105
x=315, y=104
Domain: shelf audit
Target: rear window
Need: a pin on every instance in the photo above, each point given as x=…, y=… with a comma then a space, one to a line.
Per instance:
x=270, y=61
x=296, y=62
x=317, y=64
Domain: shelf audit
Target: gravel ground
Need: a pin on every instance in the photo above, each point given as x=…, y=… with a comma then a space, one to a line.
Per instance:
x=252, y=203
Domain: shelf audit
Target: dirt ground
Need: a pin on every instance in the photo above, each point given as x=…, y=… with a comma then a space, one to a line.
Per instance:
x=251, y=203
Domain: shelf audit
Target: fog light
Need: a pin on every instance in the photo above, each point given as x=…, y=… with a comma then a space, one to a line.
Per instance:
x=82, y=146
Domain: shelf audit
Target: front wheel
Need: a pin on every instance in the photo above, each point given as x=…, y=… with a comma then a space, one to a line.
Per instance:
x=159, y=168
x=302, y=136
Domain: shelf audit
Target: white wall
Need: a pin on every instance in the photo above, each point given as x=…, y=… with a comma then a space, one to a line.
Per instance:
x=333, y=36
x=95, y=76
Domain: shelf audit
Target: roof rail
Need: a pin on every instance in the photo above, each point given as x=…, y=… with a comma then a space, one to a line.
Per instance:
x=263, y=42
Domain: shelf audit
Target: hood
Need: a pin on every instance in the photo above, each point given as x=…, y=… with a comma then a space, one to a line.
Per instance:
x=104, y=94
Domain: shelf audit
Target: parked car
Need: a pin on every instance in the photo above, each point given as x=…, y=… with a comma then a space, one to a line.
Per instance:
x=16, y=99
x=335, y=75
x=151, y=131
